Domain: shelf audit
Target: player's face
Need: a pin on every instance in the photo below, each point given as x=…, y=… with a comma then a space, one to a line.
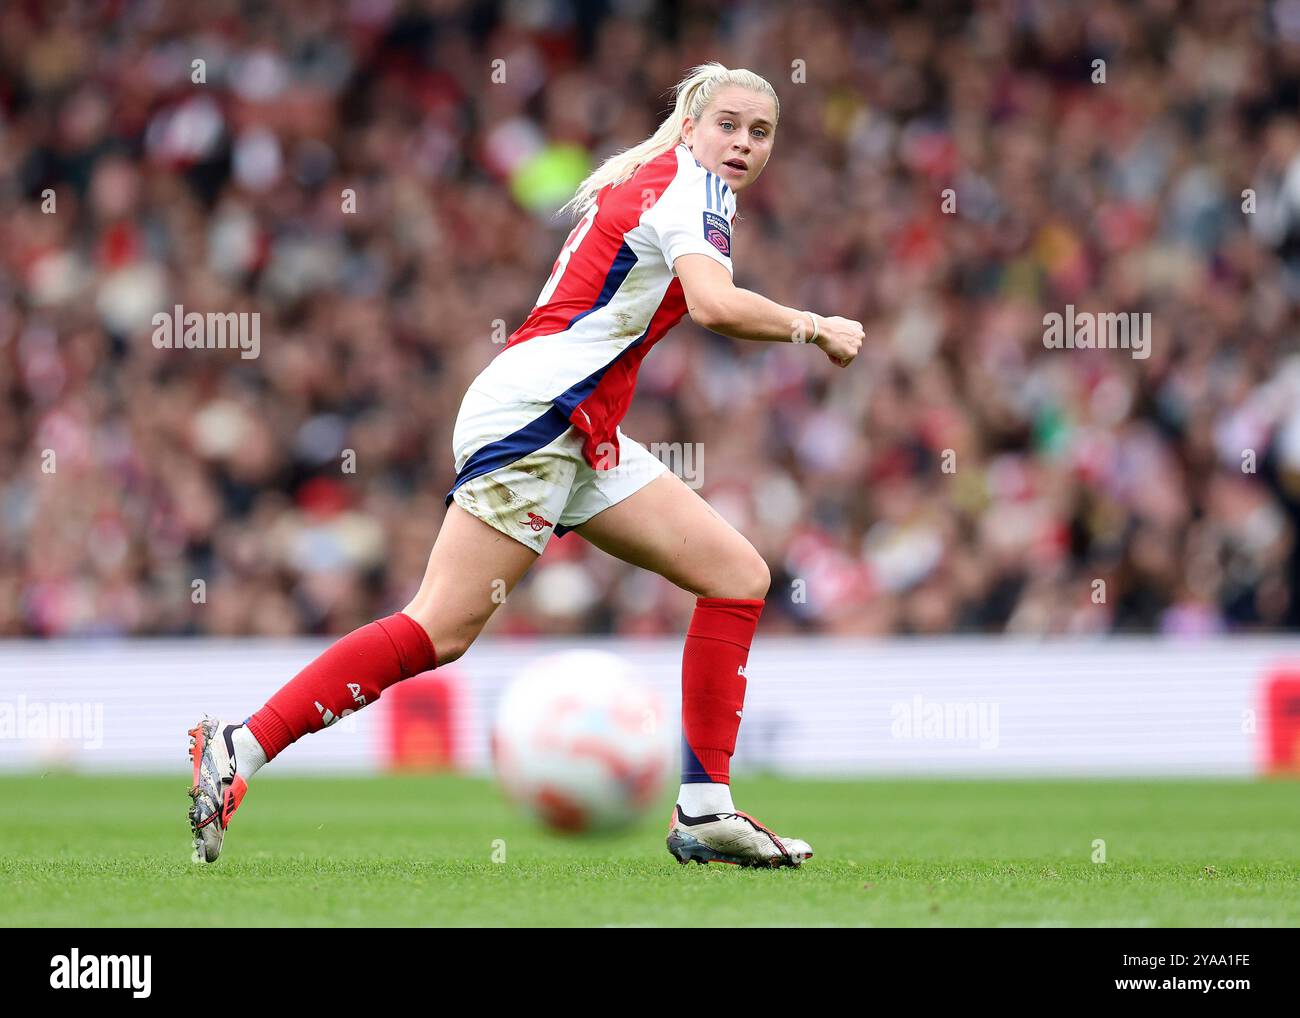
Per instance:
x=733, y=136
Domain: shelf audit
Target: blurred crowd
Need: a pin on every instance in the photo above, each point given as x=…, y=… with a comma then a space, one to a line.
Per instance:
x=377, y=180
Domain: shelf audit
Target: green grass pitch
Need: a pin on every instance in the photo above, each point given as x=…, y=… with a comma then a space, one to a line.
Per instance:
x=80, y=851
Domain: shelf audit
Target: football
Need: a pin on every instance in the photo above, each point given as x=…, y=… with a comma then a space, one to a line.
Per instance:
x=580, y=744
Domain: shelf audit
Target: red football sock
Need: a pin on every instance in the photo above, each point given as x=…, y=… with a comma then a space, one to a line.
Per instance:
x=349, y=675
x=713, y=684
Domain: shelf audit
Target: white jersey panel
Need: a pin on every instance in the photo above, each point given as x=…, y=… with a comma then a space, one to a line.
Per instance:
x=693, y=215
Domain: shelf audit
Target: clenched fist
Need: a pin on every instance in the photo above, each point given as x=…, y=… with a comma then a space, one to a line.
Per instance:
x=840, y=339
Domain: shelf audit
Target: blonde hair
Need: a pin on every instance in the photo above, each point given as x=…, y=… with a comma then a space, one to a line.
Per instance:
x=693, y=94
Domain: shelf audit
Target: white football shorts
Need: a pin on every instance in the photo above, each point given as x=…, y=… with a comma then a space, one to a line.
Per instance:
x=520, y=468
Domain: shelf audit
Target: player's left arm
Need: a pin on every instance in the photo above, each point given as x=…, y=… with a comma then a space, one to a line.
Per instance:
x=691, y=223
x=716, y=303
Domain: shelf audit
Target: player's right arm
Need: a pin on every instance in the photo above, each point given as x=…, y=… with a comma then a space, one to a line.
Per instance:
x=717, y=304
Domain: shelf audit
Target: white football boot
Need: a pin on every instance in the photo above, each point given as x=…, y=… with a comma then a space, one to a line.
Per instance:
x=734, y=838
x=217, y=790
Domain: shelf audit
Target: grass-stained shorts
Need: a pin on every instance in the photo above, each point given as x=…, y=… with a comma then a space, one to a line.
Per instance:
x=520, y=468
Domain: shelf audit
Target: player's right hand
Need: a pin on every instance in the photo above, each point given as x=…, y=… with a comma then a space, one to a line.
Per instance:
x=840, y=339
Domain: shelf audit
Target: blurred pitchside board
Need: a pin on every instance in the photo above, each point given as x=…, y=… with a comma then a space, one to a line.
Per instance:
x=836, y=707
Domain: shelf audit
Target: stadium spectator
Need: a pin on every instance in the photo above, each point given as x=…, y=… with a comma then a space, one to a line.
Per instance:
x=376, y=180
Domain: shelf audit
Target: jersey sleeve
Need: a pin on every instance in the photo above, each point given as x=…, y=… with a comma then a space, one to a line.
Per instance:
x=693, y=216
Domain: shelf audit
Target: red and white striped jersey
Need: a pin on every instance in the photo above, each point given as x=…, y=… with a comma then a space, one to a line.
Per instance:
x=612, y=295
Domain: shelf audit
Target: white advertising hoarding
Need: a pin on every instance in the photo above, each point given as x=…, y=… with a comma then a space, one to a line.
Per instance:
x=959, y=706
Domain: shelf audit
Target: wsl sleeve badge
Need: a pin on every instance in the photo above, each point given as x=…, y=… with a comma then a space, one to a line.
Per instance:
x=717, y=231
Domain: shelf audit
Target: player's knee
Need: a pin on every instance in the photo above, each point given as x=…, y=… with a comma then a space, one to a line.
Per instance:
x=749, y=579
x=449, y=642
x=451, y=646
x=447, y=650
x=758, y=578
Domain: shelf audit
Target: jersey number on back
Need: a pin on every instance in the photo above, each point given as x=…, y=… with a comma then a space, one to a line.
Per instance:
x=562, y=262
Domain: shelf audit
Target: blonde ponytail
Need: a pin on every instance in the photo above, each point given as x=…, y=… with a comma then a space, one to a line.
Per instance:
x=694, y=92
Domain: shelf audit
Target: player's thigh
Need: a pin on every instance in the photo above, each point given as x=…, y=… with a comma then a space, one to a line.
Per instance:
x=669, y=529
x=471, y=569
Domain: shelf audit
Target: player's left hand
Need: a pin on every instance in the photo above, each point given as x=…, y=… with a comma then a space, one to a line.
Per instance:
x=840, y=339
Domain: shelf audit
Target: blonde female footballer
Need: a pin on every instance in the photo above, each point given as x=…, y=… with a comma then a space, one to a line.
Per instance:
x=539, y=452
